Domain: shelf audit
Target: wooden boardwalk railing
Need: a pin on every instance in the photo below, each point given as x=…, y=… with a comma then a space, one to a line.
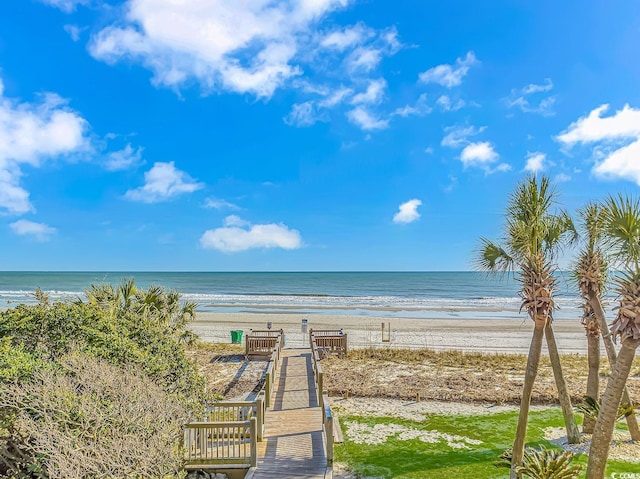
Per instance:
x=262, y=342
x=228, y=434
x=292, y=414
x=329, y=341
x=221, y=444
x=323, y=399
x=225, y=411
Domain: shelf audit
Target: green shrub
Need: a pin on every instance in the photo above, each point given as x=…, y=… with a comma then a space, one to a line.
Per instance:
x=543, y=463
x=15, y=363
x=146, y=329
x=96, y=388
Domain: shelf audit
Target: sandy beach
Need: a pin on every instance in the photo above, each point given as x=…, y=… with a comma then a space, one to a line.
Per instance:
x=499, y=336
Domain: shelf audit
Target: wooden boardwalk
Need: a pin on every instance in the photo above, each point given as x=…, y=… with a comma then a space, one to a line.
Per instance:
x=294, y=445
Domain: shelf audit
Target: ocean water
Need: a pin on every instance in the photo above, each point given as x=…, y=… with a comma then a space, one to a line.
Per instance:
x=420, y=295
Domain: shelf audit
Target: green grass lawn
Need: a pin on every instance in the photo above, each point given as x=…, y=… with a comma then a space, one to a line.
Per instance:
x=460, y=447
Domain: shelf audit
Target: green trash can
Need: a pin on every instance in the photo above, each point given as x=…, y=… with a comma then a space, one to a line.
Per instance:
x=236, y=337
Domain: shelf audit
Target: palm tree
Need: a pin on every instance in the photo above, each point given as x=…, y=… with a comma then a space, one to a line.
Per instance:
x=533, y=237
x=154, y=304
x=591, y=273
x=622, y=234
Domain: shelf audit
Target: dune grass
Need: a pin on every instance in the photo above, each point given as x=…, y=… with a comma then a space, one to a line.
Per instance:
x=457, y=376
x=400, y=457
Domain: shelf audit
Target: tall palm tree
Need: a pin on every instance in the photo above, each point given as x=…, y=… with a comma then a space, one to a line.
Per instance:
x=534, y=235
x=622, y=234
x=591, y=273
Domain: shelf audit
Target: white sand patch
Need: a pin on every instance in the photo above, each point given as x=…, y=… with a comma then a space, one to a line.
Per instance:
x=360, y=433
x=622, y=447
x=397, y=371
x=414, y=411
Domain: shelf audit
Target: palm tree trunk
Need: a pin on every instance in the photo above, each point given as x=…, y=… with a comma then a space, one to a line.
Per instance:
x=593, y=379
x=605, y=423
x=529, y=378
x=632, y=420
x=573, y=433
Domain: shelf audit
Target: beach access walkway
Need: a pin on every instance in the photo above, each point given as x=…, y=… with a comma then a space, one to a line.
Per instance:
x=286, y=430
x=293, y=445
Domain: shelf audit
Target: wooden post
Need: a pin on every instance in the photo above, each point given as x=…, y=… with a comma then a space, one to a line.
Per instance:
x=321, y=388
x=328, y=430
x=254, y=442
x=267, y=386
x=260, y=417
x=386, y=339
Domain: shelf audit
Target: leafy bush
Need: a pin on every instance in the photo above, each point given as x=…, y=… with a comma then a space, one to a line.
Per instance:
x=96, y=388
x=146, y=329
x=543, y=463
x=15, y=363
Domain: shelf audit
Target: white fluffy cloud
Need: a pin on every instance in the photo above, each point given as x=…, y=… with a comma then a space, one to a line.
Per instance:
x=616, y=140
x=343, y=38
x=39, y=231
x=536, y=162
x=445, y=103
x=302, y=114
x=239, y=235
x=335, y=97
x=31, y=133
x=256, y=47
x=373, y=93
x=419, y=109
x=74, y=31
x=529, y=100
x=479, y=153
x=220, y=204
x=622, y=163
x=163, y=182
x=245, y=47
x=449, y=75
x=366, y=57
x=408, y=212
x=367, y=120
x=123, y=159
x=457, y=136
x=623, y=124
x=482, y=155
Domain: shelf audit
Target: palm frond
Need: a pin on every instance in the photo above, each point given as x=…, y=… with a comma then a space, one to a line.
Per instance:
x=622, y=230
x=542, y=464
x=590, y=407
x=492, y=257
x=591, y=224
x=548, y=464
x=127, y=290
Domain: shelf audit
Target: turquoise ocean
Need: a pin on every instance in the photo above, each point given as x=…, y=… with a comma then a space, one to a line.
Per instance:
x=420, y=295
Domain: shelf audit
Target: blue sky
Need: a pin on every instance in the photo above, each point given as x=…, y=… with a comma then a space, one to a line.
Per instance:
x=231, y=135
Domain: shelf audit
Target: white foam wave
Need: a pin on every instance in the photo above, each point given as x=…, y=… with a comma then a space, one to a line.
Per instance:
x=237, y=301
